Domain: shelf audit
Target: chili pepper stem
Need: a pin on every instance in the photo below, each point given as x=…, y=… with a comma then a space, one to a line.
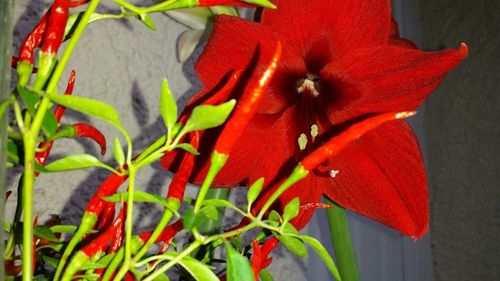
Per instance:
x=28, y=180
x=128, y=225
x=342, y=242
x=217, y=161
x=298, y=173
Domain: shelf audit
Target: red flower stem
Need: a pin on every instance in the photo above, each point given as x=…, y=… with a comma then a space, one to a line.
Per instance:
x=342, y=243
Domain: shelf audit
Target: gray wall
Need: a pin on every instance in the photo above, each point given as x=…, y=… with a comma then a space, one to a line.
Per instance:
x=463, y=138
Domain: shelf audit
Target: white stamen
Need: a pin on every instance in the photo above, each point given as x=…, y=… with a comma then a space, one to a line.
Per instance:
x=333, y=173
x=302, y=141
x=314, y=130
x=308, y=85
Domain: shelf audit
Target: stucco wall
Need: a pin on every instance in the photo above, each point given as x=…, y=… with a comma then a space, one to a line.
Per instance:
x=463, y=137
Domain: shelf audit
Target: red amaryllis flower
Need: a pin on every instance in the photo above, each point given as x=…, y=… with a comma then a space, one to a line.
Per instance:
x=342, y=61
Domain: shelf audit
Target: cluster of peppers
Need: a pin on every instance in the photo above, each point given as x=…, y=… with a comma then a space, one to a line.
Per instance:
x=101, y=230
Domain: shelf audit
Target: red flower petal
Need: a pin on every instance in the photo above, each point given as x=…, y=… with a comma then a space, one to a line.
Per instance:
x=381, y=176
x=237, y=44
x=395, y=39
x=384, y=79
x=337, y=25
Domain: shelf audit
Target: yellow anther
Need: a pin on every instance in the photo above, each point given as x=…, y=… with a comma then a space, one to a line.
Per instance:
x=302, y=141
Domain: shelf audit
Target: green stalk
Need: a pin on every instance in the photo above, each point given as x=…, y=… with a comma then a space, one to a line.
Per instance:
x=217, y=161
x=342, y=243
x=6, y=8
x=209, y=227
x=30, y=138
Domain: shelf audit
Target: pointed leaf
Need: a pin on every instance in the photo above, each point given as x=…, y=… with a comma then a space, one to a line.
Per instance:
x=90, y=107
x=188, y=147
x=224, y=10
x=323, y=254
x=147, y=21
x=31, y=99
x=74, y=162
x=161, y=277
x=255, y=190
x=293, y=245
x=118, y=151
x=168, y=106
x=210, y=212
x=199, y=271
x=291, y=209
x=46, y=233
x=265, y=275
x=238, y=267
x=208, y=116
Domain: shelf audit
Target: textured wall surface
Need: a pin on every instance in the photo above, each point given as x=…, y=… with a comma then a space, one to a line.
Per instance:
x=463, y=137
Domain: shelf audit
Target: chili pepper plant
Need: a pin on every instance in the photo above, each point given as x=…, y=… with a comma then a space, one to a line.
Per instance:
x=199, y=144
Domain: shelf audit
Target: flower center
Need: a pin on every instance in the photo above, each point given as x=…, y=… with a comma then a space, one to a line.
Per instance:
x=309, y=85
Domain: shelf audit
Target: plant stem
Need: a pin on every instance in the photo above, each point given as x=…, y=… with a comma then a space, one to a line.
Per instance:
x=6, y=8
x=209, y=227
x=217, y=161
x=342, y=243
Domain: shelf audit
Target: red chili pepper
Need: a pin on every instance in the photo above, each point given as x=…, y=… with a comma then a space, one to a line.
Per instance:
x=41, y=157
x=246, y=107
x=337, y=143
x=118, y=238
x=178, y=184
x=107, y=188
x=88, y=131
x=58, y=17
x=32, y=41
x=169, y=234
x=59, y=111
x=107, y=215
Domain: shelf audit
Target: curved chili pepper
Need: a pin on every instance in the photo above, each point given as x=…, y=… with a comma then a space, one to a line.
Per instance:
x=246, y=107
x=337, y=143
x=107, y=215
x=41, y=157
x=32, y=40
x=88, y=131
x=95, y=248
x=178, y=184
x=169, y=234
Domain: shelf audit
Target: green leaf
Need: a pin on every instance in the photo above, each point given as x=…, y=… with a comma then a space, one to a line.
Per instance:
x=31, y=99
x=323, y=254
x=46, y=233
x=274, y=216
x=139, y=197
x=63, y=228
x=168, y=106
x=200, y=271
x=146, y=20
x=208, y=116
x=237, y=242
x=293, y=245
x=210, y=212
x=50, y=261
x=255, y=190
x=118, y=151
x=90, y=107
x=238, y=267
x=73, y=162
x=265, y=275
x=188, y=147
x=291, y=209
x=192, y=220
x=13, y=152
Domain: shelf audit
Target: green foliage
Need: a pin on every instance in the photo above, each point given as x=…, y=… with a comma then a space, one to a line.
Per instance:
x=188, y=147
x=191, y=219
x=118, y=152
x=168, y=106
x=238, y=267
x=142, y=197
x=254, y=191
x=73, y=162
x=147, y=21
x=199, y=271
x=323, y=254
x=31, y=100
x=291, y=209
x=44, y=232
x=265, y=275
x=208, y=116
